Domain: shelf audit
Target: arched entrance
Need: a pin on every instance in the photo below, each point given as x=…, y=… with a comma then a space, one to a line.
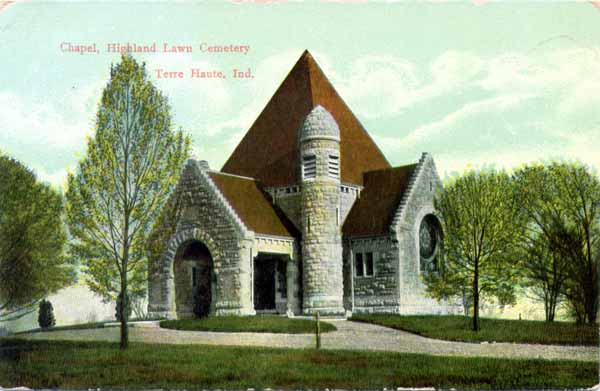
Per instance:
x=194, y=285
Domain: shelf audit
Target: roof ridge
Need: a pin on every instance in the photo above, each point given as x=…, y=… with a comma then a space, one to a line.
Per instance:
x=311, y=60
x=391, y=168
x=234, y=175
x=409, y=191
x=203, y=175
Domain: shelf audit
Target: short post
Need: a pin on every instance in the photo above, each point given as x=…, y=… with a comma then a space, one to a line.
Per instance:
x=318, y=331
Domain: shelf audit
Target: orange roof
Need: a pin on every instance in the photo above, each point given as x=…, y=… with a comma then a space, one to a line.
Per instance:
x=373, y=212
x=252, y=206
x=269, y=150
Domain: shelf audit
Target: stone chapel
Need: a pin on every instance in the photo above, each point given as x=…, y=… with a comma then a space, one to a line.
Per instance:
x=306, y=215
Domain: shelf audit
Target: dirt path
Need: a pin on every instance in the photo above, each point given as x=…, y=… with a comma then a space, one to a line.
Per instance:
x=350, y=335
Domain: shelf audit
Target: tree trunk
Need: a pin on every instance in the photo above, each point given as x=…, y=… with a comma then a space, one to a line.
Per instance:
x=476, y=298
x=124, y=298
x=123, y=309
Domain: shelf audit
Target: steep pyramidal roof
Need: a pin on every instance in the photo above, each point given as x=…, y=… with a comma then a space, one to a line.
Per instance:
x=269, y=150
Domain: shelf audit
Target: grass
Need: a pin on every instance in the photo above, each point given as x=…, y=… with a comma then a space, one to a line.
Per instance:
x=92, y=325
x=83, y=365
x=458, y=328
x=82, y=326
x=257, y=324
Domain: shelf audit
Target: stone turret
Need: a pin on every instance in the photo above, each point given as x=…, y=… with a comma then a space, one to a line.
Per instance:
x=319, y=145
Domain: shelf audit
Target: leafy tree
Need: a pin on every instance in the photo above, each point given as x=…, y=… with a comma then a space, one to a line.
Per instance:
x=132, y=163
x=562, y=204
x=32, y=241
x=544, y=267
x=46, y=314
x=478, y=211
x=545, y=273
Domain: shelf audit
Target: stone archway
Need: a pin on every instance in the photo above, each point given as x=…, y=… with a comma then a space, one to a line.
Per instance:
x=194, y=280
x=188, y=249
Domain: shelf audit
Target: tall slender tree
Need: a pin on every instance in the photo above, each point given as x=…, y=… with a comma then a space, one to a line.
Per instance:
x=132, y=163
x=479, y=215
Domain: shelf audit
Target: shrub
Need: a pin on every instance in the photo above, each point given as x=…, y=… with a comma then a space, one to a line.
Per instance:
x=46, y=315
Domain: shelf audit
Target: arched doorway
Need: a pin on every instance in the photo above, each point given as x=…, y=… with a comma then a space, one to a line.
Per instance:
x=193, y=280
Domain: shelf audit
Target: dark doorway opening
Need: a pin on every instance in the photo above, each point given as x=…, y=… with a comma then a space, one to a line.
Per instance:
x=201, y=277
x=264, y=284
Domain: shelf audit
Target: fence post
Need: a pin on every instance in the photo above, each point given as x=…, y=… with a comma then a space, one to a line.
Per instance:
x=318, y=331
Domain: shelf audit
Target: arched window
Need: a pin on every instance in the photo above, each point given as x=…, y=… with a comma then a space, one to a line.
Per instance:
x=430, y=242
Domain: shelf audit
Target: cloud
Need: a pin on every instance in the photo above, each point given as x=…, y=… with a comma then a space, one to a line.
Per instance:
x=190, y=99
x=56, y=178
x=384, y=85
x=450, y=122
x=28, y=123
x=48, y=136
x=269, y=73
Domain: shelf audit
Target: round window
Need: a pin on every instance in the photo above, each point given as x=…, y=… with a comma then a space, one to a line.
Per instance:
x=429, y=242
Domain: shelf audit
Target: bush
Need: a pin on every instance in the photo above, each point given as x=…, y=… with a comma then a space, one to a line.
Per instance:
x=46, y=315
x=118, y=311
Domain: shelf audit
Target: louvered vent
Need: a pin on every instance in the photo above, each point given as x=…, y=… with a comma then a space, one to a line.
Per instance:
x=309, y=167
x=333, y=168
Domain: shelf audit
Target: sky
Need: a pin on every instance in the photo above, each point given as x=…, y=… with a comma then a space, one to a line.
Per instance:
x=473, y=83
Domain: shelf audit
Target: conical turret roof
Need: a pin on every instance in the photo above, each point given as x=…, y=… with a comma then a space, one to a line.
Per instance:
x=269, y=150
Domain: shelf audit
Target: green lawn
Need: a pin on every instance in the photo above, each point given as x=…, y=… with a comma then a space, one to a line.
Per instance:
x=258, y=324
x=81, y=326
x=458, y=328
x=93, y=325
x=83, y=365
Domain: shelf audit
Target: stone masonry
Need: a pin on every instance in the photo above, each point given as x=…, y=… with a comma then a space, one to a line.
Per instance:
x=306, y=215
x=321, y=229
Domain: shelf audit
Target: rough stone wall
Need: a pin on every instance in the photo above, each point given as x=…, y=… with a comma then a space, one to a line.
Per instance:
x=321, y=234
x=377, y=293
x=290, y=204
x=417, y=204
x=348, y=196
x=206, y=217
x=289, y=200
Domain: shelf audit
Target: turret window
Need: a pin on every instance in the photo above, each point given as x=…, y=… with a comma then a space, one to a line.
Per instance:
x=309, y=167
x=333, y=168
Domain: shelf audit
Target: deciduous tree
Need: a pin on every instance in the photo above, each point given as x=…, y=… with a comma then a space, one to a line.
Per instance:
x=544, y=266
x=479, y=214
x=132, y=163
x=32, y=240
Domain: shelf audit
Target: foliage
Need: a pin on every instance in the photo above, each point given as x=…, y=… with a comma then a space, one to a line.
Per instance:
x=131, y=166
x=457, y=328
x=32, y=240
x=46, y=314
x=84, y=365
x=256, y=324
x=119, y=308
x=562, y=236
x=479, y=215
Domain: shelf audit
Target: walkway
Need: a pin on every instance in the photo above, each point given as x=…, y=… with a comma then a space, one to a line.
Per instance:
x=350, y=335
